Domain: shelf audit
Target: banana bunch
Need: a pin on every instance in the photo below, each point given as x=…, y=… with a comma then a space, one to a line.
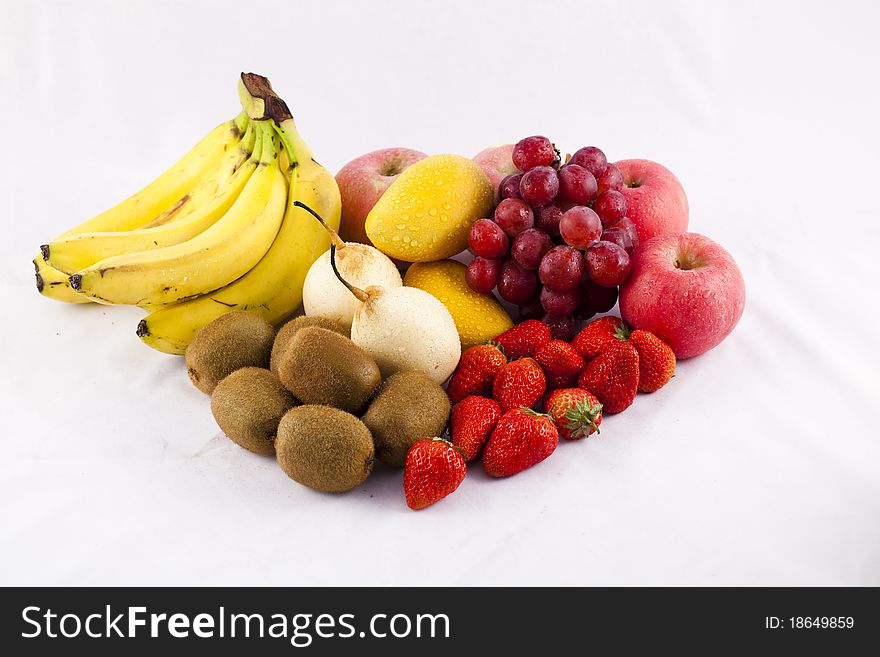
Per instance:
x=221, y=230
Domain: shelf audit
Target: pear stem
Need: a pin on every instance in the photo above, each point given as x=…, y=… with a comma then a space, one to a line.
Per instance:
x=335, y=240
x=335, y=243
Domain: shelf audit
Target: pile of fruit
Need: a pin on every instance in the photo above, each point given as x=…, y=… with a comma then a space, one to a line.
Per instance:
x=311, y=397
x=224, y=249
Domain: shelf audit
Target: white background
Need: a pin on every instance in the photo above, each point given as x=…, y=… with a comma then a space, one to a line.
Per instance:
x=758, y=464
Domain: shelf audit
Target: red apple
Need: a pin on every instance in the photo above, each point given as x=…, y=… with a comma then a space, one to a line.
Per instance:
x=685, y=289
x=655, y=200
x=497, y=163
x=363, y=180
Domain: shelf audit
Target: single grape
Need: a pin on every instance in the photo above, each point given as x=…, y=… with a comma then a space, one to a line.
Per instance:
x=590, y=158
x=514, y=216
x=547, y=218
x=561, y=268
x=620, y=237
x=529, y=247
x=531, y=309
x=482, y=274
x=515, y=284
x=630, y=227
x=533, y=152
x=539, y=186
x=607, y=263
x=509, y=187
x=486, y=239
x=597, y=298
x=610, y=206
x=580, y=227
x=561, y=327
x=560, y=303
x=611, y=178
x=576, y=184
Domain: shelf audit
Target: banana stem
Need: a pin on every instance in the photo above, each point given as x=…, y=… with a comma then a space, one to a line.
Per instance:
x=241, y=121
x=335, y=243
x=261, y=103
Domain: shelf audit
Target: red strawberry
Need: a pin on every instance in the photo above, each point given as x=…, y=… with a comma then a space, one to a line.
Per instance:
x=598, y=334
x=575, y=411
x=561, y=363
x=656, y=360
x=475, y=372
x=521, y=439
x=471, y=422
x=433, y=470
x=520, y=383
x=613, y=376
x=524, y=339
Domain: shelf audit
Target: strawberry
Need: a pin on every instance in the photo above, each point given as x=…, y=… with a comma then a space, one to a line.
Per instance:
x=575, y=412
x=524, y=339
x=520, y=383
x=433, y=469
x=598, y=334
x=475, y=372
x=471, y=422
x=521, y=439
x=613, y=376
x=656, y=360
x=561, y=363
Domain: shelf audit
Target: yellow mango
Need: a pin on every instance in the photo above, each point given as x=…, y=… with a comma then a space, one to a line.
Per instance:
x=427, y=212
x=478, y=317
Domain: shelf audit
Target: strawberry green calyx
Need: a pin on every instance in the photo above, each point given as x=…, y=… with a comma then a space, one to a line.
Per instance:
x=534, y=413
x=498, y=346
x=622, y=331
x=582, y=418
x=448, y=443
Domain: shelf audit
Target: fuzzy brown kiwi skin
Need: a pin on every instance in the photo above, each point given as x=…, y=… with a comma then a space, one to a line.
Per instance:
x=232, y=341
x=408, y=407
x=248, y=405
x=324, y=448
x=286, y=333
x=325, y=368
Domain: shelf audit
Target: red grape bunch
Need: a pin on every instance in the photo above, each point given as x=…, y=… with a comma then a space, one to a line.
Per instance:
x=559, y=242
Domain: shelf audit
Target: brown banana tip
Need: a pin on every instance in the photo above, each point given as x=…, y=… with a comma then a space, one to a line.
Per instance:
x=142, y=330
x=39, y=283
x=44, y=249
x=75, y=281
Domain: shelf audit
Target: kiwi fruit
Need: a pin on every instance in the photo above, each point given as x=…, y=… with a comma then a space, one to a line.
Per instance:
x=322, y=367
x=324, y=448
x=286, y=333
x=248, y=405
x=232, y=341
x=408, y=407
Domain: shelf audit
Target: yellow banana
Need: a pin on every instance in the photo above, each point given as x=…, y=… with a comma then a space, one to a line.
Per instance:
x=273, y=288
x=212, y=259
x=209, y=201
x=166, y=194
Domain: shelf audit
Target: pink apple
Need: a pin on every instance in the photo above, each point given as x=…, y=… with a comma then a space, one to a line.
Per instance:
x=363, y=180
x=497, y=163
x=655, y=200
x=685, y=289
